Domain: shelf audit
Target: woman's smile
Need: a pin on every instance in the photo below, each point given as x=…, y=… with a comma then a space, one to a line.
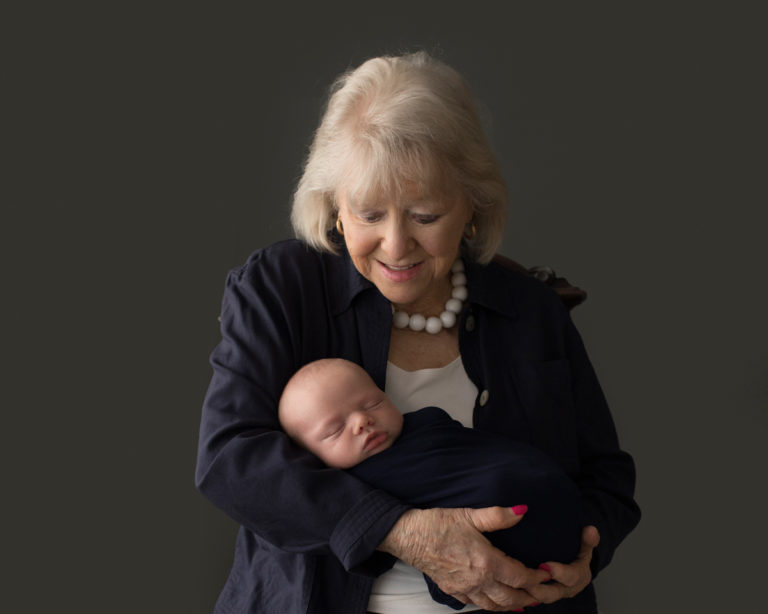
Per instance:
x=400, y=274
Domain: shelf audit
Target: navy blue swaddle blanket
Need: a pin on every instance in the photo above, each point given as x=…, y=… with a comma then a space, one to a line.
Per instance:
x=437, y=462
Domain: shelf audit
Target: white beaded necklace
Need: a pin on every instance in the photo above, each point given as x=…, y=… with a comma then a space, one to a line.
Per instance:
x=453, y=306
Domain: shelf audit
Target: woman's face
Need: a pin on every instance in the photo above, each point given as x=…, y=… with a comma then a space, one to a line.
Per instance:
x=406, y=247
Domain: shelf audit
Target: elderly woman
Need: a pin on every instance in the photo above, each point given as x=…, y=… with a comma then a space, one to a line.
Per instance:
x=399, y=213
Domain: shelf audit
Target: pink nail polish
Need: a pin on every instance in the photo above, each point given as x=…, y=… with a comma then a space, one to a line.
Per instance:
x=520, y=610
x=531, y=605
x=546, y=568
x=519, y=510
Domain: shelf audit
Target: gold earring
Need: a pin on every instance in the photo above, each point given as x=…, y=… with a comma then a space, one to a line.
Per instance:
x=339, y=227
x=470, y=234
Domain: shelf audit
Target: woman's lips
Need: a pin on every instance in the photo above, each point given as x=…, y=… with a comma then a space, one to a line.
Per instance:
x=399, y=273
x=374, y=440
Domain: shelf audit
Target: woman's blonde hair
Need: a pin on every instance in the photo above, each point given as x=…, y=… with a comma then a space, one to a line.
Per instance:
x=390, y=124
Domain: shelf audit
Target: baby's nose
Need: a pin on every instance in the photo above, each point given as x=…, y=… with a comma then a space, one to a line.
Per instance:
x=362, y=421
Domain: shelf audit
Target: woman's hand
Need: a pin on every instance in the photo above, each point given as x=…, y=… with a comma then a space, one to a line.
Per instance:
x=447, y=545
x=569, y=580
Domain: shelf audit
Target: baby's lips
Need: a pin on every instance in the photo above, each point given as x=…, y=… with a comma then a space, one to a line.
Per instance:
x=374, y=439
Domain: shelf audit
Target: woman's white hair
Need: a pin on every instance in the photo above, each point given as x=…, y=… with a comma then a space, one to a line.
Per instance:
x=394, y=123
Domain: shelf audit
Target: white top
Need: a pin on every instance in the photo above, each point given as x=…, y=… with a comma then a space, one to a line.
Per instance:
x=402, y=589
x=448, y=387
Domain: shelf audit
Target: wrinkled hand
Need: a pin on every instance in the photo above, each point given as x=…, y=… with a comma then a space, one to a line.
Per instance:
x=571, y=579
x=447, y=544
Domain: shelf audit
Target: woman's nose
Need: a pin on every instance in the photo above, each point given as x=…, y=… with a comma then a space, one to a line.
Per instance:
x=396, y=241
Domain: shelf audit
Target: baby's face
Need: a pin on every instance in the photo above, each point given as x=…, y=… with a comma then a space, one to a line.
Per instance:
x=343, y=417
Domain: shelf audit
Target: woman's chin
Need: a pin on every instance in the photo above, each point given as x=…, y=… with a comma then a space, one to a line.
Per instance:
x=415, y=299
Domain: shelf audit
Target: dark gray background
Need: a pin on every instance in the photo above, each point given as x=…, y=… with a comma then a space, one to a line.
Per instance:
x=149, y=150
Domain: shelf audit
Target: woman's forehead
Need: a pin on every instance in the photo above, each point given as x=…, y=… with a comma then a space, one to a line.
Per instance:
x=404, y=191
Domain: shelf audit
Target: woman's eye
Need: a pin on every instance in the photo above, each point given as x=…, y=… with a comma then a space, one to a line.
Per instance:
x=371, y=217
x=425, y=218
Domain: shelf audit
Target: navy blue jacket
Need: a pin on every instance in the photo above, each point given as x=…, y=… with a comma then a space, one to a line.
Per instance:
x=308, y=536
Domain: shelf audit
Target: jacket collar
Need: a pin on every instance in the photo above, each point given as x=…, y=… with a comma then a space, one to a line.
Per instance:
x=344, y=281
x=485, y=283
x=493, y=286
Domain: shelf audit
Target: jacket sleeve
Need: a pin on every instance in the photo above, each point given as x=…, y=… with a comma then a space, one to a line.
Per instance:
x=246, y=465
x=607, y=474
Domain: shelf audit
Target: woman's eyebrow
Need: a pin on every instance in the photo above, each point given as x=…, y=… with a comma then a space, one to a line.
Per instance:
x=364, y=206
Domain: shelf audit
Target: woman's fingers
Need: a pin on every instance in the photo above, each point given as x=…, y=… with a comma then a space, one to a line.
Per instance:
x=590, y=538
x=489, y=519
x=571, y=575
x=515, y=575
x=569, y=579
x=508, y=577
x=508, y=572
x=499, y=598
x=448, y=545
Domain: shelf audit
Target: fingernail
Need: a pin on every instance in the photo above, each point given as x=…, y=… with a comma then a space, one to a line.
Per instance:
x=520, y=610
x=546, y=568
x=519, y=510
x=530, y=605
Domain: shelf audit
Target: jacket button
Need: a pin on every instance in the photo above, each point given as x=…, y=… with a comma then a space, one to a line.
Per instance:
x=483, y=398
x=469, y=325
